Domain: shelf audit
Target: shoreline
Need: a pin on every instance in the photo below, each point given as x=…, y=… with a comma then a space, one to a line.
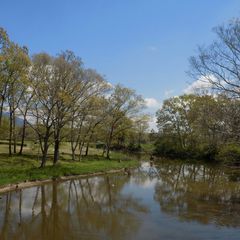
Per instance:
x=28, y=184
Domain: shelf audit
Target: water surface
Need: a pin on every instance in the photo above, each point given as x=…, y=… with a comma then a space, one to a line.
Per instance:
x=169, y=201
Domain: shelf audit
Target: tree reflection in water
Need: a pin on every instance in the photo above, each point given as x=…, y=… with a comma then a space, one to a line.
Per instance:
x=77, y=209
x=123, y=207
x=198, y=193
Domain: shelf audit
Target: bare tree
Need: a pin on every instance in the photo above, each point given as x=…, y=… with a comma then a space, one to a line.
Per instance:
x=219, y=64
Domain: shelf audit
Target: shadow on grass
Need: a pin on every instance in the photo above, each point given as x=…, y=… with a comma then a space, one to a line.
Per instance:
x=34, y=160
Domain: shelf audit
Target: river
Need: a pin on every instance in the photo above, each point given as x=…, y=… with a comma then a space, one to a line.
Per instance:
x=172, y=200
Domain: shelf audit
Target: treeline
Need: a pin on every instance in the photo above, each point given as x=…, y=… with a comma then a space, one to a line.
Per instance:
x=207, y=125
x=58, y=99
x=200, y=127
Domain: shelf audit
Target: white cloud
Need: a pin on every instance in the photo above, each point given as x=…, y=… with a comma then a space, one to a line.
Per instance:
x=152, y=103
x=152, y=106
x=202, y=84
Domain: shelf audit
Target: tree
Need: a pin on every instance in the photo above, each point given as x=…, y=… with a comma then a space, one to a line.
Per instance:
x=88, y=111
x=59, y=99
x=14, y=66
x=197, y=126
x=96, y=116
x=17, y=71
x=174, y=119
x=69, y=81
x=218, y=64
x=24, y=108
x=123, y=103
x=141, y=124
x=41, y=109
x=4, y=45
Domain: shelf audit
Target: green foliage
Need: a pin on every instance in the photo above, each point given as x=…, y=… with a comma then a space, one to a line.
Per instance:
x=167, y=147
x=196, y=126
x=134, y=147
x=206, y=152
x=148, y=147
x=65, y=102
x=229, y=154
x=100, y=145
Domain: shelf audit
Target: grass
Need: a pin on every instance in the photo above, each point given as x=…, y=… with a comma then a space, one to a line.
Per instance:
x=18, y=169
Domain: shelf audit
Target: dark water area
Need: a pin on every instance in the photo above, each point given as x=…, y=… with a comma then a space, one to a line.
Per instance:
x=169, y=201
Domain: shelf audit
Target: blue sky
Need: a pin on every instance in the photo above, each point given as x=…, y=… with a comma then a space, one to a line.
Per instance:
x=142, y=44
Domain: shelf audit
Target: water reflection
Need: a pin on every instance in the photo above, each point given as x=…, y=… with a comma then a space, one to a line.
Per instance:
x=200, y=193
x=87, y=208
x=155, y=202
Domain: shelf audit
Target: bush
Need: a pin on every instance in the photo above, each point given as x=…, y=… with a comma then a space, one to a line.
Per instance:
x=134, y=147
x=168, y=148
x=118, y=147
x=206, y=152
x=100, y=145
x=229, y=154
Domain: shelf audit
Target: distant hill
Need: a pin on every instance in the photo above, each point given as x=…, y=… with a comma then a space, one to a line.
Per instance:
x=19, y=121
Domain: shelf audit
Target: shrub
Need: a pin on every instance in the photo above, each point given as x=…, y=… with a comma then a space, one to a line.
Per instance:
x=168, y=148
x=100, y=145
x=229, y=154
x=206, y=152
x=118, y=147
x=134, y=147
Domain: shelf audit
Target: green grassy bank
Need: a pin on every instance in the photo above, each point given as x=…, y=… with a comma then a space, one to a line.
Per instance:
x=18, y=168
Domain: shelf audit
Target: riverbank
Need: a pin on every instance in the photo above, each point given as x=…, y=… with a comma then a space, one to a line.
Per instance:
x=23, y=171
x=27, y=184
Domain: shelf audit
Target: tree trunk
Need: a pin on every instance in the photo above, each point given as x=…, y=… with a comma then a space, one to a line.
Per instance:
x=56, y=147
x=104, y=150
x=73, y=155
x=23, y=135
x=109, y=142
x=86, y=151
x=89, y=140
x=108, y=147
x=44, y=158
x=81, y=144
x=1, y=111
x=10, y=133
x=73, y=148
x=14, y=133
x=2, y=103
x=56, y=151
x=108, y=152
x=45, y=149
